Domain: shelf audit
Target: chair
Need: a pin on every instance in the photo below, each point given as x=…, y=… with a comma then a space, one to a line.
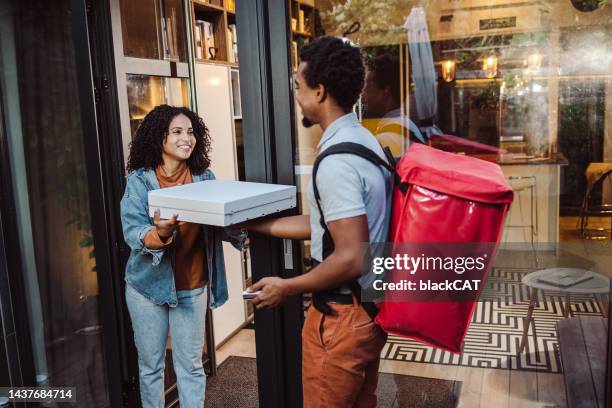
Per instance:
x=521, y=184
x=596, y=174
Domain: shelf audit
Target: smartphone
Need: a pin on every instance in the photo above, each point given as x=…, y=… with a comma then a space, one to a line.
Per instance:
x=250, y=295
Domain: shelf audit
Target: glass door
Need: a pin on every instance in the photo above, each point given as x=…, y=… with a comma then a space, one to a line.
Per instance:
x=151, y=62
x=184, y=53
x=503, y=83
x=47, y=165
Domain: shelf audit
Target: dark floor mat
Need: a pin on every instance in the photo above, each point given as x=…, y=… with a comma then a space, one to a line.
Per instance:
x=406, y=391
x=235, y=386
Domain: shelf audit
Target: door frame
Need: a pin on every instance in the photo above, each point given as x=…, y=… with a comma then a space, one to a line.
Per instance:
x=267, y=112
x=93, y=33
x=88, y=21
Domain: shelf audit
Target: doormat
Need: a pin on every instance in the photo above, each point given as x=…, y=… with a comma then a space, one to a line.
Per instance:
x=235, y=385
x=493, y=338
x=406, y=391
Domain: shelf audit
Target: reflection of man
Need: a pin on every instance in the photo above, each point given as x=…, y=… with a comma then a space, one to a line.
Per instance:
x=341, y=343
x=382, y=100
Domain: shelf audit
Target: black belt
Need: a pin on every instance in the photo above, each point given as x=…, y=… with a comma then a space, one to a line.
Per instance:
x=334, y=297
x=322, y=299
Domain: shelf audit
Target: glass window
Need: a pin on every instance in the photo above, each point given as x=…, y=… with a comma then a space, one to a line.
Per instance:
x=39, y=98
x=154, y=29
x=146, y=92
x=527, y=87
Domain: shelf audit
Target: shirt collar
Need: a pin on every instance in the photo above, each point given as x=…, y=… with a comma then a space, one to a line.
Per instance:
x=394, y=113
x=348, y=120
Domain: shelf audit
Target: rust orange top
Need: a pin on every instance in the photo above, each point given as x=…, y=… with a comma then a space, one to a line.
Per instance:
x=190, y=270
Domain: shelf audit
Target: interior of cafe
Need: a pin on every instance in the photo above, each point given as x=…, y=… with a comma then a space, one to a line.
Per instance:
x=528, y=86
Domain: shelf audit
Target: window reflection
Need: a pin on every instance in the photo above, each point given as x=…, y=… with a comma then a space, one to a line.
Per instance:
x=145, y=92
x=42, y=121
x=526, y=86
x=153, y=29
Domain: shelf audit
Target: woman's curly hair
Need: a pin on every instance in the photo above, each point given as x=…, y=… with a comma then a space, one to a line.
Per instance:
x=147, y=146
x=338, y=66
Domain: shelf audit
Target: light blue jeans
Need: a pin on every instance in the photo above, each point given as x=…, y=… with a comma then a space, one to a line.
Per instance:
x=151, y=323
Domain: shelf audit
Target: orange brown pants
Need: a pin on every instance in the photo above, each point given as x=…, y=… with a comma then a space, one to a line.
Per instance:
x=340, y=358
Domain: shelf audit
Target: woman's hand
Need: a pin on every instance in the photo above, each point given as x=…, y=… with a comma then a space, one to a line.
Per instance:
x=165, y=228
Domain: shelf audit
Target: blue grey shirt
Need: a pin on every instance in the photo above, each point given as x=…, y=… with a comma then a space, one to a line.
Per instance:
x=349, y=185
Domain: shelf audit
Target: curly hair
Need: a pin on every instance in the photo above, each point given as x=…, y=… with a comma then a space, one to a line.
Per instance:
x=147, y=146
x=338, y=66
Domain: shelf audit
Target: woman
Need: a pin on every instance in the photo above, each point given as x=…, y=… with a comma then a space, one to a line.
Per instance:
x=172, y=262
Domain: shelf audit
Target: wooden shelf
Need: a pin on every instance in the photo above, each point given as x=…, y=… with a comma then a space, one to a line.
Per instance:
x=303, y=34
x=202, y=5
x=222, y=21
x=216, y=62
x=306, y=3
x=302, y=14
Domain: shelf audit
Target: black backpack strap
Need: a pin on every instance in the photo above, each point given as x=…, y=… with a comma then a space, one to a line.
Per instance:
x=347, y=148
x=328, y=244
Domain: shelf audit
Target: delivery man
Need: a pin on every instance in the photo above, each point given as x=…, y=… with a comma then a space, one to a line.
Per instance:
x=340, y=341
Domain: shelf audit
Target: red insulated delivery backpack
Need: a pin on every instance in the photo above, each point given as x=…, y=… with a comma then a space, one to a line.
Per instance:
x=439, y=197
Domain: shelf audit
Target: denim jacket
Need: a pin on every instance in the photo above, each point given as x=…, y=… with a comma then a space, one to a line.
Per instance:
x=150, y=271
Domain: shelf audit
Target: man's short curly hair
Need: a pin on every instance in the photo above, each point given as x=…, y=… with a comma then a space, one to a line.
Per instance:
x=147, y=146
x=338, y=66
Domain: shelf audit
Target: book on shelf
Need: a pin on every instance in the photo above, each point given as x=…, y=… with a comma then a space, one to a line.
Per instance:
x=230, y=48
x=200, y=24
x=164, y=38
x=294, y=53
x=210, y=40
x=199, y=49
x=231, y=5
x=234, y=33
x=301, y=20
x=169, y=36
x=232, y=43
x=207, y=38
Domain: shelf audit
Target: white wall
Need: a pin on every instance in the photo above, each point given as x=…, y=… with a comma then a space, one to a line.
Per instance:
x=214, y=106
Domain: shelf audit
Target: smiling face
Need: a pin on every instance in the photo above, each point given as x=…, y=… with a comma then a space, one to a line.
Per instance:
x=180, y=142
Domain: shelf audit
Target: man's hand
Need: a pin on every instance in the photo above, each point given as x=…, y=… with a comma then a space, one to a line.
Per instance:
x=293, y=227
x=273, y=292
x=343, y=265
x=165, y=228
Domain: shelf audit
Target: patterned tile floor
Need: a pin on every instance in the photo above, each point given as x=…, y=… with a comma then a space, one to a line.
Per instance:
x=495, y=331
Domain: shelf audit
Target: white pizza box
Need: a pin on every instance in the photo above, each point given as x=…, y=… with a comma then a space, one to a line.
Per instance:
x=220, y=202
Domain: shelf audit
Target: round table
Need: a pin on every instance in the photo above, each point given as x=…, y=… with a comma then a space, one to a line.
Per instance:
x=594, y=284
